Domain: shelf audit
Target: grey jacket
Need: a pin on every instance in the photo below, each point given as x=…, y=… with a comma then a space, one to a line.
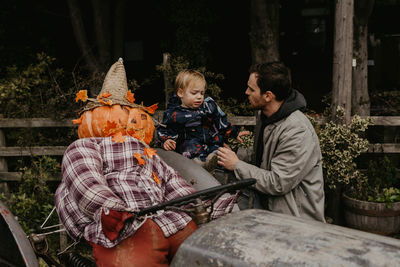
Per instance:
x=290, y=173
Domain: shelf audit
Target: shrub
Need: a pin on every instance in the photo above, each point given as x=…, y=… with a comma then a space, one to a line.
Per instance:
x=340, y=145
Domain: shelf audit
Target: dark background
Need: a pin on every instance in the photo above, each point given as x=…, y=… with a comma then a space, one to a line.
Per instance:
x=29, y=27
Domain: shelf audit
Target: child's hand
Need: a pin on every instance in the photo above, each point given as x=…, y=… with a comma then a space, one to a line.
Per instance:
x=169, y=145
x=241, y=134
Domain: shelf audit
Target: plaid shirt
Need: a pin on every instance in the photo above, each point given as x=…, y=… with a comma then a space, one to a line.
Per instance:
x=100, y=175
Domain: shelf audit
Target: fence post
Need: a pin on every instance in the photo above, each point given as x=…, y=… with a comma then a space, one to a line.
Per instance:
x=168, y=87
x=3, y=164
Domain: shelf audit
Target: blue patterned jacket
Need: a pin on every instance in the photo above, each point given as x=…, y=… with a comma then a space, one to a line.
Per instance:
x=206, y=126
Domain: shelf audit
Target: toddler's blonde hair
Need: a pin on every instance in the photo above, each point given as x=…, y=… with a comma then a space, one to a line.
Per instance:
x=186, y=78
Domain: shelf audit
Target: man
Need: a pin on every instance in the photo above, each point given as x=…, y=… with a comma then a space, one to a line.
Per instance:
x=288, y=161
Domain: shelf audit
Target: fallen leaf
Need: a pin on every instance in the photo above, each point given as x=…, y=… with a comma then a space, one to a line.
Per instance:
x=81, y=95
x=139, y=158
x=118, y=137
x=104, y=95
x=77, y=121
x=110, y=128
x=149, y=152
x=108, y=103
x=130, y=96
x=152, y=108
x=155, y=178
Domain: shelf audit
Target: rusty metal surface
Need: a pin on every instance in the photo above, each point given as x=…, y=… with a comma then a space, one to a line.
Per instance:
x=15, y=249
x=262, y=238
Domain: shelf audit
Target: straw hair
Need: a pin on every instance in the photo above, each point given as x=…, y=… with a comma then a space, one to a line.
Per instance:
x=116, y=84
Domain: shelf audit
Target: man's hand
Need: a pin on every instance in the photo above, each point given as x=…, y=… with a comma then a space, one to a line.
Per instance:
x=169, y=145
x=227, y=158
x=241, y=134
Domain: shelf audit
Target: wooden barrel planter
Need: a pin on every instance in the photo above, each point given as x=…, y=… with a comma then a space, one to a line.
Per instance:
x=371, y=216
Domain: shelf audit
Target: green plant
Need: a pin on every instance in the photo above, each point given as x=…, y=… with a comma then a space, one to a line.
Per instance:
x=340, y=145
x=380, y=184
x=248, y=141
x=33, y=200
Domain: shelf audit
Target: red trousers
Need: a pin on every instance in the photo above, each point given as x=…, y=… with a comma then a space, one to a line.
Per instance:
x=147, y=247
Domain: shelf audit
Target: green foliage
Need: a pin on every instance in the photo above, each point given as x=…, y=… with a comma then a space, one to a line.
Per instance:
x=248, y=141
x=380, y=184
x=388, y=196
x=385, y=103
x=35, y=91
x=33, y=200
x=191, y=21
x=340, y=145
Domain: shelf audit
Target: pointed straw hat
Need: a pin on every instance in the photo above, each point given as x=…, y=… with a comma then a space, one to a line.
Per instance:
x=116, y=84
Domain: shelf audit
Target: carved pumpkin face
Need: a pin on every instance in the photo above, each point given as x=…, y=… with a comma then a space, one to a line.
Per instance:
x=130, y=120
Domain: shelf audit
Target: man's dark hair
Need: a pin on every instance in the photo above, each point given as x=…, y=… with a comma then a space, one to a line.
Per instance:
x=274, y=77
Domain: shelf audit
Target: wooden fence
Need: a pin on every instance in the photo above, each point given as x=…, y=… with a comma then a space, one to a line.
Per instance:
x=6, y=152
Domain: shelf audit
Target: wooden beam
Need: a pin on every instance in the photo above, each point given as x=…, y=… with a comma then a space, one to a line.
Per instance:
x=16, y=176
x=32, y=151
x=34, y=123
x=384, y=148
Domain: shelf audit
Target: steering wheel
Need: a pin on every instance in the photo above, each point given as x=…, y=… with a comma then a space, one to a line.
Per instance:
x=198, y=199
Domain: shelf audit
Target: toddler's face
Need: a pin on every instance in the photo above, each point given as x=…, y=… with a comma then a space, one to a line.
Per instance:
x=193, y=96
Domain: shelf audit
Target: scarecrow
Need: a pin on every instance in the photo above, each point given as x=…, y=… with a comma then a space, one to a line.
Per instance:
x=110, y=173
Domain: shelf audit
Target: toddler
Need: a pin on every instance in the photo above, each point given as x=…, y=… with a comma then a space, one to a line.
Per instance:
x=192, y=125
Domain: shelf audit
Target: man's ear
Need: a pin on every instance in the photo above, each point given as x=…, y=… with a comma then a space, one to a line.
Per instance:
x=268, y=96
x=179, y=92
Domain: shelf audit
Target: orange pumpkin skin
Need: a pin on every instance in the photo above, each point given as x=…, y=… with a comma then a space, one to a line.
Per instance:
x=142, y=125
x=134, y=120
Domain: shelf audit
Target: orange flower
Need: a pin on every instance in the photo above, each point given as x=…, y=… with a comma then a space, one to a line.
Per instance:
x=104, y=95
x=108, y=103
x=139, y=158
x=152, y=108
x=155, y=178
x=130, y=96
x=77, y=121
x=149, y=152
x=81, y=95
x=118, y=137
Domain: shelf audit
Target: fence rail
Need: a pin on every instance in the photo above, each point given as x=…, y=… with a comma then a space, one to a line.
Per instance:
x=5, y=151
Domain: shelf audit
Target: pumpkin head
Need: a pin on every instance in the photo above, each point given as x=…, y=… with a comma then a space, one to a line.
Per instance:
x=114, y=110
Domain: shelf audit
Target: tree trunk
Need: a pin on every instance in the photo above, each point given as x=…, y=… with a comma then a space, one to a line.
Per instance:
x=264, y=34
x=102, y=30
x=360, y=97
x=119, y=17
x=342, y=57
x=80, y=35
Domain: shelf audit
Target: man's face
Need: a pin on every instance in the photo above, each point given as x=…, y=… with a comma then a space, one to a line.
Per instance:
x=253, y=92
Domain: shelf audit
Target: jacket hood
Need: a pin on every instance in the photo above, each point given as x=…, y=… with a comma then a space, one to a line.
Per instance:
x=174, y=101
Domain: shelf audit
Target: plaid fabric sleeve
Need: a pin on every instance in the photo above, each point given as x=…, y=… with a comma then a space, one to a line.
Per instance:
x=83, y=174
